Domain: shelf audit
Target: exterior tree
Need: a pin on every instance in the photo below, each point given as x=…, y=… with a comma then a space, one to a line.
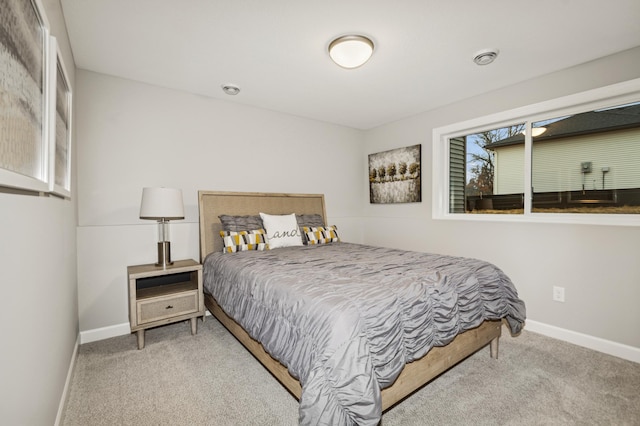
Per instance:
x=382, y=172
x=482, y=161
x=373, y=174
x=482, y=183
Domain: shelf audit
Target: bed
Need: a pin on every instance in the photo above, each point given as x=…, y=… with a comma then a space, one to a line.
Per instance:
x=348, y=377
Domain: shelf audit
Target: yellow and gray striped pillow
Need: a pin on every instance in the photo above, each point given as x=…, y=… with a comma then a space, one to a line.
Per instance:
x=321, y=234
x=235, y=241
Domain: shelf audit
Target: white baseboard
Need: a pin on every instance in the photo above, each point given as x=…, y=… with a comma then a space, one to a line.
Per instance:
x=597, y=344
x=67, y=383
x=104, y=333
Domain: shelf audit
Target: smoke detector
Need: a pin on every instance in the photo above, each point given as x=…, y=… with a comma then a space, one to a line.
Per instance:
x=486, y=56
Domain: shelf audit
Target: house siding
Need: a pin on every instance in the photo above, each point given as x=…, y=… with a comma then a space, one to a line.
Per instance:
x=556, y=164
x=457, y=175
x=509, y=170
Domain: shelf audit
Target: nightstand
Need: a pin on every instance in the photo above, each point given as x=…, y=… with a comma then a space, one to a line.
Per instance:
x=159, y=296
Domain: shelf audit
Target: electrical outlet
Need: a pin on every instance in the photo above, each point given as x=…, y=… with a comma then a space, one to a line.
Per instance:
x=558, y=294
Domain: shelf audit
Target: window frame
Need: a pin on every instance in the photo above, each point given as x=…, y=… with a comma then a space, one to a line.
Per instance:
x=607, y=96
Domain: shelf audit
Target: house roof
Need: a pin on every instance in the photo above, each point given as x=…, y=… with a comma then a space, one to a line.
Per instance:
x=603, y=120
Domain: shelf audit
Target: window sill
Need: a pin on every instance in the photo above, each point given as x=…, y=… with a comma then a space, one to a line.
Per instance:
x=561, y=218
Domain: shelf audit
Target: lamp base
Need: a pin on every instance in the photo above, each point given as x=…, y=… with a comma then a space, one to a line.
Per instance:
x=164, y=254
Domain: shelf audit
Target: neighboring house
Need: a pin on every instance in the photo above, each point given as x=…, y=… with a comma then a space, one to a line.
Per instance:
x=575, y=154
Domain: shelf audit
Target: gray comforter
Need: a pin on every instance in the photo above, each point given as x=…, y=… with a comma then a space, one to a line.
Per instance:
x=345, y=318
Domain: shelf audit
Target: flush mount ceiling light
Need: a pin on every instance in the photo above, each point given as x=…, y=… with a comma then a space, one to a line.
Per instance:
x=486, y=56
x=351, y=51
x=230, y=89
x=535, y=131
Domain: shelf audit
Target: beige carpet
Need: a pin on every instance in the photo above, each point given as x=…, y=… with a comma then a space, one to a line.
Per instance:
x=210, y=379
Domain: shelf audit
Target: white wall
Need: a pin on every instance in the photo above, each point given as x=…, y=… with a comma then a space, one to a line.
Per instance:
x=39, y=318
x=133, y=135
x=597, y=265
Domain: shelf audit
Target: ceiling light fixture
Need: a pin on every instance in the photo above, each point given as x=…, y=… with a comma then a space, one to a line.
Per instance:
x=351, y=51
x=486, y=56
x=230, y=89
x=535, y=131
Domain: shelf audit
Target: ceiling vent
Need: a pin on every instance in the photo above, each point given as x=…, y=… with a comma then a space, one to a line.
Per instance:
x=486, y=56
x=230, y=89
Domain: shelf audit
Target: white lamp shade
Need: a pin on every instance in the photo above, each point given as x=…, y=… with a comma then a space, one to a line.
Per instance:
x=161, y=203
x=351, y=51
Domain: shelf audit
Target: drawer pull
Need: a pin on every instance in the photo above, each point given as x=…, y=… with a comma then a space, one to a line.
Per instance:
x=169, y=307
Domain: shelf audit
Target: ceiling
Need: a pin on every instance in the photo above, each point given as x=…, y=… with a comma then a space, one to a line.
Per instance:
x=276, y=50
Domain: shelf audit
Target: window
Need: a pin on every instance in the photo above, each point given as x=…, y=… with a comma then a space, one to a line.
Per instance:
x=588, y=162
x=574, y=159
x=474, y=182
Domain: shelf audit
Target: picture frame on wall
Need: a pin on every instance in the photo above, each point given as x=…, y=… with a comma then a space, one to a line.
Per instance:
x=60, y=115
x=25, y=85
x=395, y=176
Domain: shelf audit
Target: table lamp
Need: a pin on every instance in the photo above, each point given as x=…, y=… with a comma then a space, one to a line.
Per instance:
x=163, y=205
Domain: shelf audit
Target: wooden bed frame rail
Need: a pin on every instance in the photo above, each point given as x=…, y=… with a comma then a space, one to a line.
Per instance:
x=413, y=376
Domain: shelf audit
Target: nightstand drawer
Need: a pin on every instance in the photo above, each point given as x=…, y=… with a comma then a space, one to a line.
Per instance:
x=160, y=308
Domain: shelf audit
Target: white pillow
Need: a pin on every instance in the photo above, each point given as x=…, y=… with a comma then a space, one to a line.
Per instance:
x=282, y=230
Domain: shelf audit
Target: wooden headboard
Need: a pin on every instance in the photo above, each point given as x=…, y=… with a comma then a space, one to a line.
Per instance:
x=214, y=203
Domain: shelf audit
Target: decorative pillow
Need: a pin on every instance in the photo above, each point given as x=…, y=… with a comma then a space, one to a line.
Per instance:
x=321, y=234
x=309, y=220
x=282, y=230
x=240, y=223
x=244, y=240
